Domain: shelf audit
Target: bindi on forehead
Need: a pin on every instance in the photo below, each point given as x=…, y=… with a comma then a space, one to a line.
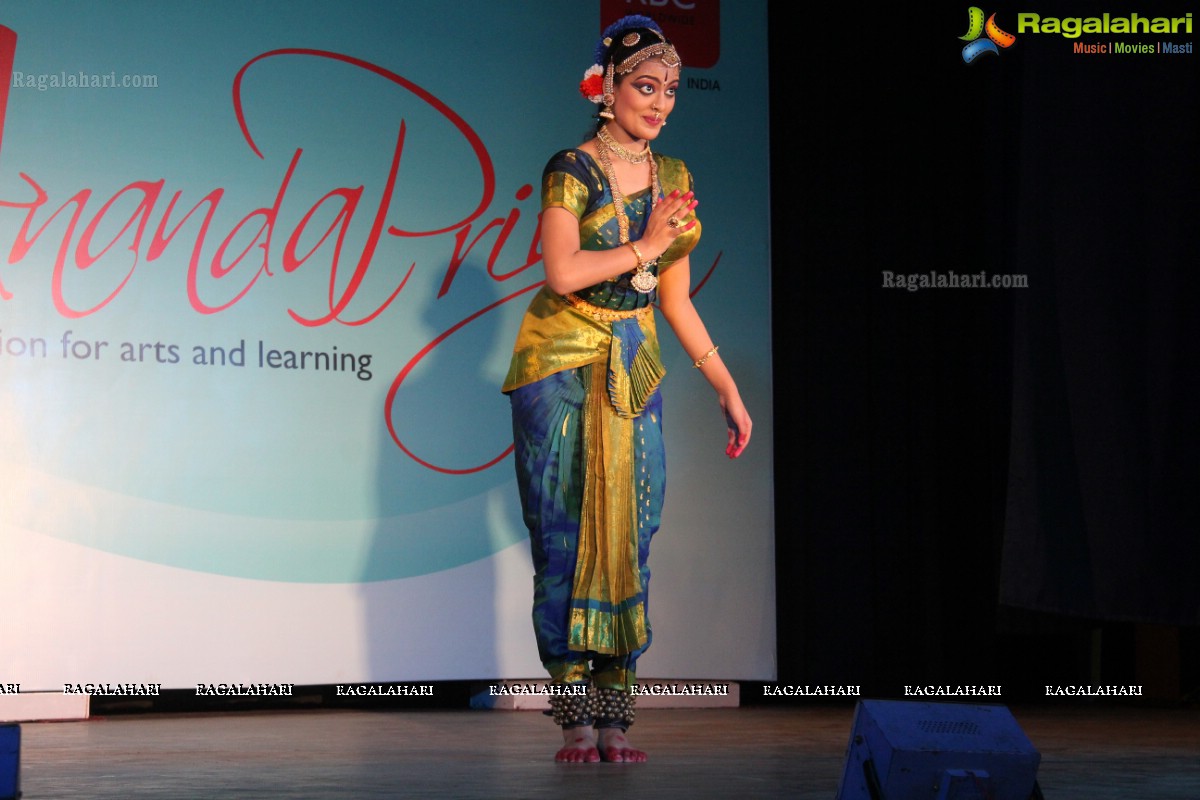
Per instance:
x=655, y=68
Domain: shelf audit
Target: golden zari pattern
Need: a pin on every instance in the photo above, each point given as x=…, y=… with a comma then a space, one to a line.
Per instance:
x=606, y=569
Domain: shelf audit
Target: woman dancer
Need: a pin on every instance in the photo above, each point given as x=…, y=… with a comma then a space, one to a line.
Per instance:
x=618, y=224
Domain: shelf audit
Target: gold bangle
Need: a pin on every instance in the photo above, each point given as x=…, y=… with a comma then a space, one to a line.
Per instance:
x=699, y=362
x=641, y=261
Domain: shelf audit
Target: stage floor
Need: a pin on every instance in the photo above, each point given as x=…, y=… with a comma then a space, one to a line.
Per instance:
x=794, y=752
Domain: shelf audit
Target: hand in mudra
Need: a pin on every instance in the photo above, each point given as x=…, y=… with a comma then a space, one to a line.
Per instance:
x=667, y=221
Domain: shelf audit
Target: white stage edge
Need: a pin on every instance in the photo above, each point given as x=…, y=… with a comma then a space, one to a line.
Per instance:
x=44, y=707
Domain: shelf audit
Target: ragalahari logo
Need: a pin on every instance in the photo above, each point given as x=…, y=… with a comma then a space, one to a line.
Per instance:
x=976, y=27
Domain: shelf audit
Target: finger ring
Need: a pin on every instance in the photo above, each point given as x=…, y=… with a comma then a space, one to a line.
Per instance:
x=673, y=222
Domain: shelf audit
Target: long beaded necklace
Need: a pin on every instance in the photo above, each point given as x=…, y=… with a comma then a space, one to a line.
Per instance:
x=643, y=280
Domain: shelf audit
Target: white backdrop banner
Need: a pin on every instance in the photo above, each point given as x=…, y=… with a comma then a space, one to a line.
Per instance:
x=262, y=274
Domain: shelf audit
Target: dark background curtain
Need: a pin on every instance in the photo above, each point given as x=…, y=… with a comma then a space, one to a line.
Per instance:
x=990, y=486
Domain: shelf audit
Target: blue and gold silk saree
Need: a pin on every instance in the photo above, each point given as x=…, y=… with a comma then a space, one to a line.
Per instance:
x=587, y=425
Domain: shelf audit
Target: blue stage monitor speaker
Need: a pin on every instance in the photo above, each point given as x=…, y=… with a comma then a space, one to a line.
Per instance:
x=10, y=762
x=937, y=751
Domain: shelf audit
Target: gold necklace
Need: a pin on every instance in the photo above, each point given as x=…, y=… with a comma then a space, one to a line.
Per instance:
x=623, y=152
x=643, y=280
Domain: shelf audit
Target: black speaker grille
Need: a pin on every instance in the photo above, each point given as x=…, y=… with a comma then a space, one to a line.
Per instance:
x=946, y=726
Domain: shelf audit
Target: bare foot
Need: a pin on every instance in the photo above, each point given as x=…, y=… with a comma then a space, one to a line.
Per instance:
x=615, y=747
x=579, y=746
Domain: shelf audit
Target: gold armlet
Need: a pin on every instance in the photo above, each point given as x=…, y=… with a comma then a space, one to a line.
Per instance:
x=699, y=362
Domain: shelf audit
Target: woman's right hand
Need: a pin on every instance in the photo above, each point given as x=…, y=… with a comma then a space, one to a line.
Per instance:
x=660, y=233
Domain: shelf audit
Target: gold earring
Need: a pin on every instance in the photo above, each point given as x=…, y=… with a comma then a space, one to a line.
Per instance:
x=609, y=96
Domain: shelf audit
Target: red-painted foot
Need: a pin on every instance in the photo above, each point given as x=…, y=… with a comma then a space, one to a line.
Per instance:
x=581, y=751
x=616, y=748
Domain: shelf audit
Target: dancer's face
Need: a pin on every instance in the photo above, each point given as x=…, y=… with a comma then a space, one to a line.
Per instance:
x=645, y=98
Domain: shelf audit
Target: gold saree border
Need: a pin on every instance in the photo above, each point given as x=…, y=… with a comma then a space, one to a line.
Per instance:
x=608, y=613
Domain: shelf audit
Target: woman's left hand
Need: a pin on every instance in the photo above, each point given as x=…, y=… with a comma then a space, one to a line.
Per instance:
x=738, y=420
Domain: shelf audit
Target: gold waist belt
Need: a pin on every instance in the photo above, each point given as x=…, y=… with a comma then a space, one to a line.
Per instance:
x=600, y=312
